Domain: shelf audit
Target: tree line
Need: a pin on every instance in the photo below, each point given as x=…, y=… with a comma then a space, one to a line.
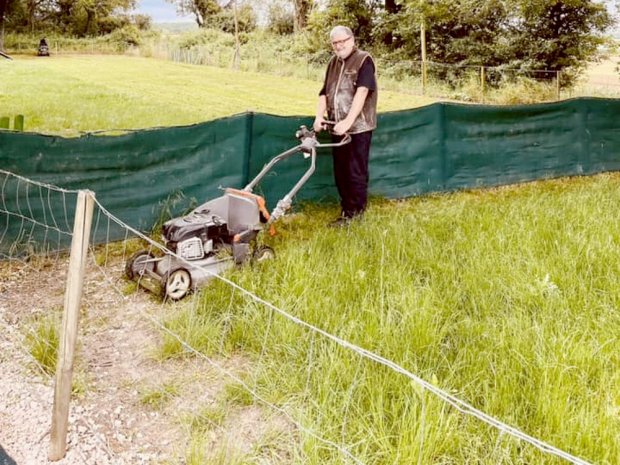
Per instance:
x=74, y=18
x=557, y=35
x=528, y=35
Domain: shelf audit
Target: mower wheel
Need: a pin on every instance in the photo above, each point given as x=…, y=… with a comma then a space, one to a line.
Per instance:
x=263, y=253
x=138, y=264
x=176, y=283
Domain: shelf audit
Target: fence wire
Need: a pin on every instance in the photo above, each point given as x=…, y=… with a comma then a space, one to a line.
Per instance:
x=344, y=403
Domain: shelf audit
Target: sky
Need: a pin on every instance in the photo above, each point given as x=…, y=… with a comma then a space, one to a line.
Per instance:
x=161, y=11
x=164, y=12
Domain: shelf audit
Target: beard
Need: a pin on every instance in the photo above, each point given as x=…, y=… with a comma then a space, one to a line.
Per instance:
x=344, y=53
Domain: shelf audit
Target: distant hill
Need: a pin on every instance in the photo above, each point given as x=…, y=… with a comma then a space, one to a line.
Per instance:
x=176, y=27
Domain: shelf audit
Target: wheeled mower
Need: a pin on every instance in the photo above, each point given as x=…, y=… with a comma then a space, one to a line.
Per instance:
x=43, y=49
x=219, y=233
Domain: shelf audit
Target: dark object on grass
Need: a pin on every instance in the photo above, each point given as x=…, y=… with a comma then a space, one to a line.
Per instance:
x=43, y=50
x=2, y=54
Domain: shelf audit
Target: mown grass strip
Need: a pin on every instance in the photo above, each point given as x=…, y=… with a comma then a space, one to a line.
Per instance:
x=68, y=94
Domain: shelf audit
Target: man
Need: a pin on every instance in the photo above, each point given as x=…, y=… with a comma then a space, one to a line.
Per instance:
x=349, y=96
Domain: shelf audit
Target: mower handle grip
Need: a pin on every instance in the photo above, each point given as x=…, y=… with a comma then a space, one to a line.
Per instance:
x=345, y=140
x=303, y=132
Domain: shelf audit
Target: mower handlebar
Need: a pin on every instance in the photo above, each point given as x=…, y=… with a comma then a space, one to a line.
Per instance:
x=304, y=133
x=344, y=141
x=308, y=144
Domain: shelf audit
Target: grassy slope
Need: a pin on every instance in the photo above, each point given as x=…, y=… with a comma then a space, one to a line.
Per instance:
x=86, y=93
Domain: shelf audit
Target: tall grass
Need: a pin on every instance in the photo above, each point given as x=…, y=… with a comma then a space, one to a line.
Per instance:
x=506, y=298
x=42, y=339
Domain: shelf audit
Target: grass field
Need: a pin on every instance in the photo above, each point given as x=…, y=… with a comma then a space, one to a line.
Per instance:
x=69, y=94
x=507, y=298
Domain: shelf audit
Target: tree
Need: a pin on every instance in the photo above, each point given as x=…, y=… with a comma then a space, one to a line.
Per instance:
x=558, y=34
x=468, y=32
x=356, y=14
x=525, y=34
x=391, y=9
x=201, y=9
x=281, y=17
x=74, y=17
x=35, y=9
x=225, y=19
x=5, y=9
x=302, y=9
x=12, y=13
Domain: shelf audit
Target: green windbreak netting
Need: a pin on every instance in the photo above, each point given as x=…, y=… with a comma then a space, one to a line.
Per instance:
x=134, y=175
x=437, y=148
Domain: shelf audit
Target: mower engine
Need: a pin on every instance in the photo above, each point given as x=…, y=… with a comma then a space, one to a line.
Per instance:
x=192, y=237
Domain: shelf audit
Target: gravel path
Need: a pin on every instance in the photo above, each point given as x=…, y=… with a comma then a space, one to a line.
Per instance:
x=107, y=423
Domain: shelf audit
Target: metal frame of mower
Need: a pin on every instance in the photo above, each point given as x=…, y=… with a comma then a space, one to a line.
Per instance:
x=219, y=233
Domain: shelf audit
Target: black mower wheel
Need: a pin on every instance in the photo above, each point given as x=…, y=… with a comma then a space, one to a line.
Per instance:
x=138, y=264
x=176, y=284
x=263, y=253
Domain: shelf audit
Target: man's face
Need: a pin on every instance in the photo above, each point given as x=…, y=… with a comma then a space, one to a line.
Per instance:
x=343, y=45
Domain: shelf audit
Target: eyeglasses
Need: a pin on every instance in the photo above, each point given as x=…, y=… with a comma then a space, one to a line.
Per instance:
x=335, y=43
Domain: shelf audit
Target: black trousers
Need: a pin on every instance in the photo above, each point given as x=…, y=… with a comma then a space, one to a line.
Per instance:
x=351, y=173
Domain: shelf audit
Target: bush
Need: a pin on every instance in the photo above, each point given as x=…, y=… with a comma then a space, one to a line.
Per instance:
x=125, y=37
x=111, y=23
x=142, y=22
x=524, y=90
x=281, y=19
x=225, y=20
x=206, y=36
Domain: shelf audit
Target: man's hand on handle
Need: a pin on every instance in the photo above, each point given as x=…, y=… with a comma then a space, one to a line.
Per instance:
x=319, y=124
x=342, y=126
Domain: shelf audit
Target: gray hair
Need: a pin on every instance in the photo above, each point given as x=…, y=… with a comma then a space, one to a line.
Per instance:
x=340, y=30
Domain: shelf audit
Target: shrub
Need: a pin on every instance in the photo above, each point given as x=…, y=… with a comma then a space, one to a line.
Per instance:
x=125, y=37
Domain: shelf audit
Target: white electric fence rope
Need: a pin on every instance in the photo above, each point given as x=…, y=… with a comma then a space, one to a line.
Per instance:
x=255, y=394
x=458, y=404
x=37, y=183
x=29, y=218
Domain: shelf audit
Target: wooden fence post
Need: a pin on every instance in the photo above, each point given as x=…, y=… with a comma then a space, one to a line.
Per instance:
x=482, y=83
x=557, y=79
x=18, y=123
x=68, y=336
x=423, y=45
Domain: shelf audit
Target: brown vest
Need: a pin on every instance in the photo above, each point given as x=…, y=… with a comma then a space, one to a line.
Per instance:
x=341, y=80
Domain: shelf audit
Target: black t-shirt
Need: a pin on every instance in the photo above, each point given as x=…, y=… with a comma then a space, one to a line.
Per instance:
x=365, y=77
